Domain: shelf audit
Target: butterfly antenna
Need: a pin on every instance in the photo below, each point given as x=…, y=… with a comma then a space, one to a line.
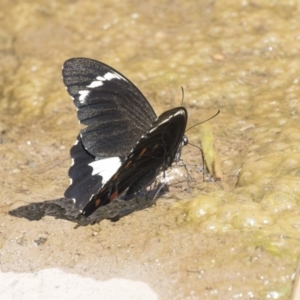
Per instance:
x=204, y=120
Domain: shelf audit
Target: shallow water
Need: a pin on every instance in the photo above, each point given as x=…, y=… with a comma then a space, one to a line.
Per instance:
x=234, y=238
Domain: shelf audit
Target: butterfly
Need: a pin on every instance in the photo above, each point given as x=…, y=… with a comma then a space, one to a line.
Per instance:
x=124, y=146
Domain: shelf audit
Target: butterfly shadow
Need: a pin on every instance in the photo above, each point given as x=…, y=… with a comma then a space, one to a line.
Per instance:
x=63, y=208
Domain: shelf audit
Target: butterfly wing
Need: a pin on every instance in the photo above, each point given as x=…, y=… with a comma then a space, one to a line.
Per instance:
x=116, y=114
x=87, y=174
x=115, y=111
x=154, y=152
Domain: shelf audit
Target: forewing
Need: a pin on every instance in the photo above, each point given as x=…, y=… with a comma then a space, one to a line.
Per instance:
x=115, y=111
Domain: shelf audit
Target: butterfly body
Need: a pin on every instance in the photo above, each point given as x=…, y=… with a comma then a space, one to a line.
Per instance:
x=124, y=146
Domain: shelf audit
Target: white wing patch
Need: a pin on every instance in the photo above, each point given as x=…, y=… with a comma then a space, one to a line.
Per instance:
x=83, y=95
x=113, y=75
x=98, y=82
x=95, y=84
x=106, y=77
x=106, y=167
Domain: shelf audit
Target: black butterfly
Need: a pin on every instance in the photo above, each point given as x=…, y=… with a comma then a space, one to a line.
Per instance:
x=125, y=145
